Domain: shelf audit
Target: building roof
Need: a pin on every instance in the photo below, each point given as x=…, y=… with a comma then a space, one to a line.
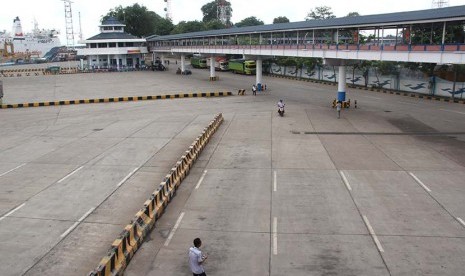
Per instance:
x=111, y=21
x=388, y=19
x=113, y=35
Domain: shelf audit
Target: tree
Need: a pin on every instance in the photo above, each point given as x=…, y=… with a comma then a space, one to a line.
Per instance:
x=281, y=19
x=188, y=27
x=140, y=21
x=210, y=11
x=214, y=25
x=352, y=14
x=249, y=21
x=318, y=13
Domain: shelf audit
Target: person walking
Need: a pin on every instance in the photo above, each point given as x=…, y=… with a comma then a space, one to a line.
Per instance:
x=196, y=259
x=338, y=108
x=254, y=90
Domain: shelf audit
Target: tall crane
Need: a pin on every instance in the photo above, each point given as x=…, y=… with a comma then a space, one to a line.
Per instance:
x=69, y=23
x=440, y=3
x=223, y=11
x=168, y=13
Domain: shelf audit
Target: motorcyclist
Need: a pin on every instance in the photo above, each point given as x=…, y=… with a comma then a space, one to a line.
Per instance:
x=281, y=106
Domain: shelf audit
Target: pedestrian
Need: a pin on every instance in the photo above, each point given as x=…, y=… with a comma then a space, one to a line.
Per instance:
x=254, y=90
x=196, y=259
x=338, y=108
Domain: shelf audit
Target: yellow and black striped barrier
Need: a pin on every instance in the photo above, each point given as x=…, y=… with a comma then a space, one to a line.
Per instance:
x=241, y=92
x=118, y=99
x=409, y=94
x=124, y=247
x=214, y=78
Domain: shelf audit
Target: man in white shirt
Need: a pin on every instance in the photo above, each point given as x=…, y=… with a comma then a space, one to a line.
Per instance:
x=196, y=259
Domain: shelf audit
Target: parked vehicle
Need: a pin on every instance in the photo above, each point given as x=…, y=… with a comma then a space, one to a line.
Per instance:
x=198, y=62
x=221, y=64
x=242, y=66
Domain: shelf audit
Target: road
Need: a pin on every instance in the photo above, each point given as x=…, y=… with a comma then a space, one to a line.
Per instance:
x=305, y=194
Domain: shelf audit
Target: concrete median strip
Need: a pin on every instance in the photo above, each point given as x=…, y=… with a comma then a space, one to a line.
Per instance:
x=119, y=99
x=124, y=247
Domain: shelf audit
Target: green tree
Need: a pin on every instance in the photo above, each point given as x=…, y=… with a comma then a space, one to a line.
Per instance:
x=249, y=21
x=140, y=21
x=281, y=19
x=210, y=11
x=214, y=25
x=188, y=27
x=352, y=14
x=323, y=12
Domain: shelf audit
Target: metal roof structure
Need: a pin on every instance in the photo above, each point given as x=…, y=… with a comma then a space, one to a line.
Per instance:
x=454, y=13
x=111, y=21
x=113, y=35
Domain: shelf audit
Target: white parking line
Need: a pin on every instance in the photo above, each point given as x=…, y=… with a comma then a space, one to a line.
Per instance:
x=201, y=179
x=70, y=174
x=77, y=223
x=12, y=211
x=127, y=177
x=373, y=234
x=275, y=236
x=12, y=170
x=275, y=182
x=344, y=178
x=461, y=221
x=178, y=222
x=419, y=182
x=448, y=110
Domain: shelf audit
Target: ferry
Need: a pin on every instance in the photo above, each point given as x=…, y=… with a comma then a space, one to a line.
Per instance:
x=35, y=44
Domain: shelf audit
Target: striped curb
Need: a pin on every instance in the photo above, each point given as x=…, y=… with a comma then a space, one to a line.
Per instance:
x=133, y=235
x=387, y=91
x=408, y=94
x=118, y=99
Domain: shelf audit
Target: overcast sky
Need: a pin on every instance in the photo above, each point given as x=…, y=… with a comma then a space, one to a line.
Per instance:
x=50, y=13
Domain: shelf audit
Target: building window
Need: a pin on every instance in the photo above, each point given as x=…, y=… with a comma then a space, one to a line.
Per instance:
x=93, y=45
x=118, y=28
x=107, y=28
x=102, y=45
x=120, y=44
x=112, y=44
x=129, y=44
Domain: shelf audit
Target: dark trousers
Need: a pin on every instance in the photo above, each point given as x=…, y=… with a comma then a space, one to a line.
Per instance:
x=201, y=274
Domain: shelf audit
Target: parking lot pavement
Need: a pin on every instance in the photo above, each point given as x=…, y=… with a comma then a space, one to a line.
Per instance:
x=303, y=194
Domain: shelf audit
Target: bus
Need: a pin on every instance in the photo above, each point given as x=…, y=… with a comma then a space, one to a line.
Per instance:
x=242, y=66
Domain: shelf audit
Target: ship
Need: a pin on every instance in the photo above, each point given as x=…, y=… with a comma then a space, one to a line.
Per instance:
x=34, y=44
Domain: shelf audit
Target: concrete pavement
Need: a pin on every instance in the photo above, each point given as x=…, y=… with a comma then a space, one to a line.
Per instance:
x=306, y=194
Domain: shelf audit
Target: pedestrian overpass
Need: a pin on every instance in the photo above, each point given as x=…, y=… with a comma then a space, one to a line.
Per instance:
x=429, y=36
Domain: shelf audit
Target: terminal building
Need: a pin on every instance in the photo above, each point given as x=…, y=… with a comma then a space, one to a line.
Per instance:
x=113, y=48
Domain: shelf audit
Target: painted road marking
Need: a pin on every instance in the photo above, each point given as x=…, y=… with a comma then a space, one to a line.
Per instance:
x=12, y=170
x=178, y=222
x=346, y=182
x=12, y=211
x=461, y=221
x=127, y=177
x=419, y=182
x=77, y=223
x=70, y=174
x=275, y=236
x=201, y=179
x=373, y=234
x=275, y=182
x=448, y=110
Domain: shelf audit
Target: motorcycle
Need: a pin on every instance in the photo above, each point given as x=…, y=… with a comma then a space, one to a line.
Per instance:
x=281, y=110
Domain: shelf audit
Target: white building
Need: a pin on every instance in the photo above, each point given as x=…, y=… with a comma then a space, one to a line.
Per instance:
x=113, y=48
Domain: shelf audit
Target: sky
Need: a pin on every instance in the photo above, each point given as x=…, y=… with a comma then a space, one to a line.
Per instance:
x=50, y=14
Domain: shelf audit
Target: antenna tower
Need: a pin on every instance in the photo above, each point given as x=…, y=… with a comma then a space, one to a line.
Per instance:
x=69, y=23
x=223, y=11
x=440, y=3
x=168, y=13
